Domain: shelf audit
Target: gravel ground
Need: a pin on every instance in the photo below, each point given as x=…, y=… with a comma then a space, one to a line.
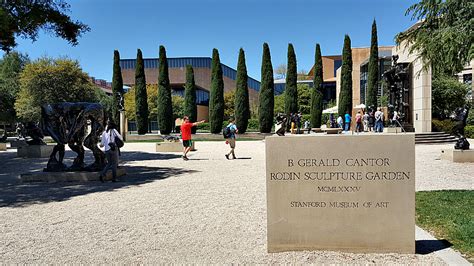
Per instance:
x=205, y=210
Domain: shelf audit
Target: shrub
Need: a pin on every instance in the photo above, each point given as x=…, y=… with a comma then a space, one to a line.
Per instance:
x=253, y=125
x=469, y=132
x=443, y=126
x=203, y=126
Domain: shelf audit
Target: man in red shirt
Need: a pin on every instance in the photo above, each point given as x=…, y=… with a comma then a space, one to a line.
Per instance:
x=186, y=135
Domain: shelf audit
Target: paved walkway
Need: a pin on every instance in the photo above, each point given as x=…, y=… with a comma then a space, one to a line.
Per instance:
x=205, y=210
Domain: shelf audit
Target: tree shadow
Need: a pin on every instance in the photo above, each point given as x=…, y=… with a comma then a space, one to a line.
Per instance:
x=13, y=193
x=424, y=247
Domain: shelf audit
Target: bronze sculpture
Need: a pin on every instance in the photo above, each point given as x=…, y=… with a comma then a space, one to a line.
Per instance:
x=281, y=120
x=460, y=116
x=67, y=123
x=33, y=131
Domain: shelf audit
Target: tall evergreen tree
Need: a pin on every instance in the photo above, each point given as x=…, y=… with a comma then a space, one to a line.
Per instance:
x=266, y=97
x=345, y=95
x=117, y=88
x=317, y=91
x=141, y=104
x=165, y=107
x=373, y=77
x=216, y=101
x=291, y=91
x=190, y=108
x=242, y=106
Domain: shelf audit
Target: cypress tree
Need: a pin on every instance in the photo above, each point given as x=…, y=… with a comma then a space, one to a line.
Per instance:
x=345, y=95
x=141, y=104
x=117, y=88
x=291, y=91
x=190, y=108
x=266, y=97
x=216, y=101
x=373, y=77
x=165, y=107
x=242, y=106
x=317, y=91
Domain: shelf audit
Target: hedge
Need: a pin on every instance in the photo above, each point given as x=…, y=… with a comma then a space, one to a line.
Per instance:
x=469, y=132
x=443, y=126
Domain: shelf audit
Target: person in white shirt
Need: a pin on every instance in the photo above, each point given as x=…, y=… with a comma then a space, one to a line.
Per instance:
x=111, y=150
x=379, y=120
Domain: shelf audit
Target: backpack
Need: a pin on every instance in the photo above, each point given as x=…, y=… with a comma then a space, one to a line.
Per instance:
x=226, y=132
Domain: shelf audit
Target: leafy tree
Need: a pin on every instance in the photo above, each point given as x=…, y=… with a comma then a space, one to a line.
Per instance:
x=317, y=91
x=26, y=18
x=304, y=98
x=11, y=66
x=140, y=95
x=152, y=100
x=165, y=107
x=448, y=94
x=229, y=105
x=345, y=95
x=190, y=108
x=104, y=99
x=266, y=96
x=51, y=81
x=178, y=106
x=242, y=105
x=373, y=76
x=291, y=92
x=443, y=35
x=279, y=104
x=280, y=71
x=117, y=88
x=216, y=101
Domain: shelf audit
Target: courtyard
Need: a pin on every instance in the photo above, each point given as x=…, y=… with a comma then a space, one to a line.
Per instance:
x=205, y=210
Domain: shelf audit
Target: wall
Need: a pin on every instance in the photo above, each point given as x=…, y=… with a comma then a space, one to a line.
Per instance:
x=421, y=89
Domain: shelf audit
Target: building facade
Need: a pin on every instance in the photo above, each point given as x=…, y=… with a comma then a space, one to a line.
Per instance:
x=177, y=76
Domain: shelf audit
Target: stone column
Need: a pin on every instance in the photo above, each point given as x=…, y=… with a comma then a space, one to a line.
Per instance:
x=123, y=125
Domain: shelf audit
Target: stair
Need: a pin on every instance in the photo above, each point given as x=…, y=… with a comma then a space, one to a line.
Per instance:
x=434, y=138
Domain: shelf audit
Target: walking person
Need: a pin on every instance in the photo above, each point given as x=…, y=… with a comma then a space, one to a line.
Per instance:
x=186, y=135
x=365, y=120
x=379, y=120
x=231, y=128
x=340, y=122
x=347, y=121
x=307, y=126
x=107, y=142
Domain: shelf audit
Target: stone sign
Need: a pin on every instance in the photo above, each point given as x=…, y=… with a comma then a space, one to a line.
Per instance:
x=353, y=193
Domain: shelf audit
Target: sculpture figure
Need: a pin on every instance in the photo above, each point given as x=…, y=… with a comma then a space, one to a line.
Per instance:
x=35, y=133
x=460, y=116
x=67, y=123
x=281, y=120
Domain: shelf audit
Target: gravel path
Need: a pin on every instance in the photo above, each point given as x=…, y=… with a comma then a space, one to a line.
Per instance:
x=205, y=210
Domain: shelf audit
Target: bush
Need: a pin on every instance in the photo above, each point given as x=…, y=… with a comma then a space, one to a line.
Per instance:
x=469, y=132
x=203, y=126
x=253, y=125
x=443, y=126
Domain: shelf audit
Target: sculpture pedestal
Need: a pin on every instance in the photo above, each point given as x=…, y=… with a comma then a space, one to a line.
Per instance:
x=53, y=177
x=18, y=143
x=392, y=130
x=171, y=146
x=332, y=130
x=35, y=151
x=3, y=146
x=458, y=156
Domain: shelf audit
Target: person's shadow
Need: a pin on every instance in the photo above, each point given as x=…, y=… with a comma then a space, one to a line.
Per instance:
x=424, y=247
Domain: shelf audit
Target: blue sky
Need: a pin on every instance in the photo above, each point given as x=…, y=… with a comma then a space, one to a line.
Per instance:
x=193, y=28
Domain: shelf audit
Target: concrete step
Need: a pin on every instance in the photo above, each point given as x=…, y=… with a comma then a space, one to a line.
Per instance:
x=434, y=138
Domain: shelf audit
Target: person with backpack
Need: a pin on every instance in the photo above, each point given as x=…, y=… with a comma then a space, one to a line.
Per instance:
x=186, y=135
x=229, y=134
x=111, y=142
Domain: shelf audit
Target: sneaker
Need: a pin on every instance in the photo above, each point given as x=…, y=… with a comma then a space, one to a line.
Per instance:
x=185, y=158
x=227, y=156
x=234, y=158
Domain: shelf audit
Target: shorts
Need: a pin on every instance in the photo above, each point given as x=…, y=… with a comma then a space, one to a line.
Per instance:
x=231, y=143
x=187, y=143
